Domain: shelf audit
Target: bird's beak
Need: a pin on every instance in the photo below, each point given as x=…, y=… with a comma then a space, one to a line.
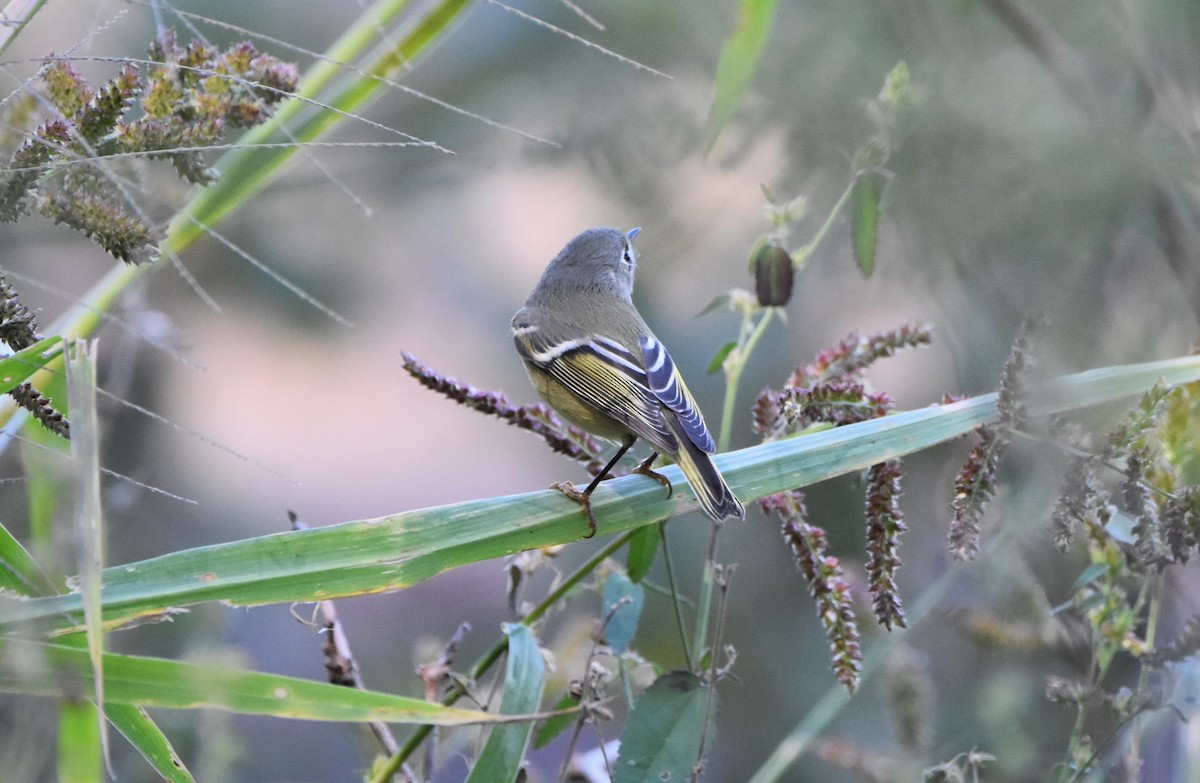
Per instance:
x=631, y=233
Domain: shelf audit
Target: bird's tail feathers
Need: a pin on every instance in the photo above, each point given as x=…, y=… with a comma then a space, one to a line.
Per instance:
x=715, y=496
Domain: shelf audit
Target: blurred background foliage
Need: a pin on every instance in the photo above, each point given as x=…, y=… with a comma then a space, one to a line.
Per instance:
x=1033, y=174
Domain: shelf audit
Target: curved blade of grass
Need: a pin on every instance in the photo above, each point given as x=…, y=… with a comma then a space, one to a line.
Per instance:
x=399, y=551
x=147, y=738
x=157, y=682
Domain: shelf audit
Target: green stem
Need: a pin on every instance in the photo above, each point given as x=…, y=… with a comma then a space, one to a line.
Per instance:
x=1148, y=597
x=707, y=584
x=733, y=376
x=747, y=342
x=385, y=772
x=802, y=255
x=675, y=602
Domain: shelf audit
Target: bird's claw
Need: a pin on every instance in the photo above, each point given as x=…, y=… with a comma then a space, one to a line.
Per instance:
x=582, y=498
x=644, y=469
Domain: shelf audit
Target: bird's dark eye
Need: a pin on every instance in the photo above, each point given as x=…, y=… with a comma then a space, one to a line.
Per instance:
x=627, y=256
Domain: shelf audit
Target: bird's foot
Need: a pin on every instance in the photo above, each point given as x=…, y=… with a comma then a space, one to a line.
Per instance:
x=582, y=498
x=644, y=469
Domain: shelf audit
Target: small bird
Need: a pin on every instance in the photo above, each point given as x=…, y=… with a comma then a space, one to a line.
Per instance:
x=592, y=357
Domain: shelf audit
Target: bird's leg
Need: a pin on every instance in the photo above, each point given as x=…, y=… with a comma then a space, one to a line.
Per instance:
x=644, y=468
x=584, y=498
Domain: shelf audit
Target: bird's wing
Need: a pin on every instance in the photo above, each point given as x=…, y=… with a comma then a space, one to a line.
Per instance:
x=605, y=375
x=667, y=385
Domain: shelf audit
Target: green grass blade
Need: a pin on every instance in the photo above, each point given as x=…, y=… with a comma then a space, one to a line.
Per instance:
x=19, y=572
x=80, y=751
x=145, y=735
x=41, y=669
x=16, y=369
x=88, y=513
x=501, y=757
x=399, y=551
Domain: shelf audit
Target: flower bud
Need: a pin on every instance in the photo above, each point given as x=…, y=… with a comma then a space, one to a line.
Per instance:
x=773, y=275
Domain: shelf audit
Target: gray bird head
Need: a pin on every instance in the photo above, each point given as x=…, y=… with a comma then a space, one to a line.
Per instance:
x=600, y=259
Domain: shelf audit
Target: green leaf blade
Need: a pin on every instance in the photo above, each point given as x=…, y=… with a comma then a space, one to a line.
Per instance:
x=17, y=368
x=662, y=739
x=739, y=60
x=500, y=760
x=19, y=572
x=394, y=552
x=718, y=360
x=868, y=190
x=148, y=739
x=38, y=669
x=643, y=550
x=80, y=753
x=623, y=602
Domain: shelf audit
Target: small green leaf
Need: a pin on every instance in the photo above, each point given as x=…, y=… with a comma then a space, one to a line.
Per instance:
x=896, y=87
x=661, y=740
x=500, y=760
x=739, y=59
x=720, y=356
x=556, y=724
x=865, y=201
x=643, y=549
x=624, y=600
